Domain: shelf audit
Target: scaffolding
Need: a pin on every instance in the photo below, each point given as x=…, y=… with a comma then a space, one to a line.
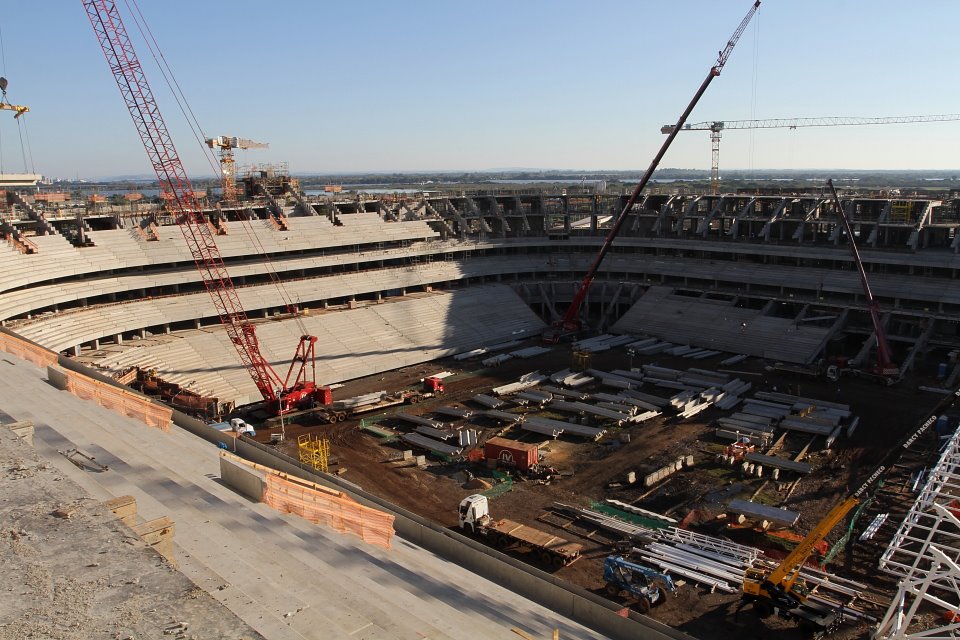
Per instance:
x=925, y=555
x=314, y=451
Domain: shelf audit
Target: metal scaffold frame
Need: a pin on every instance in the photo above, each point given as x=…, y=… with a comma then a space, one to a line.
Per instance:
x=925, y=554
x=314, y=451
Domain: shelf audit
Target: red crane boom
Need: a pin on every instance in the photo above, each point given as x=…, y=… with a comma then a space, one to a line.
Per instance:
x=570, y=321
x=885, y=366
x=136, y=93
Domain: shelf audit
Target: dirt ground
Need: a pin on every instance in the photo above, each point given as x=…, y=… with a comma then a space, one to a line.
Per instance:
x=591, y=472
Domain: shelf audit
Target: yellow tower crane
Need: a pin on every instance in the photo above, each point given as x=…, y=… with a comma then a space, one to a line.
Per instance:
x=717, y=126
x=228, y=173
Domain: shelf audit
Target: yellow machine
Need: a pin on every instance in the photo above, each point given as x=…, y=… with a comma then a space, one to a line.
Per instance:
x=780, y=591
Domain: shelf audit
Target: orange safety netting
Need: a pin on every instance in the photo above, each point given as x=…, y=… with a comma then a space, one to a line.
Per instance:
x=119, y=401
x=26, y=351
x=330, y=508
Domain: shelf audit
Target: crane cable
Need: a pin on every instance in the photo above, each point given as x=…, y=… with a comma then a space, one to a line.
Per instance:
x=144, y=28
x=171, y=81
x=753, y=90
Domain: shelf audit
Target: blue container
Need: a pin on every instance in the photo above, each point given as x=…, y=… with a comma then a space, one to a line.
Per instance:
x=941, y=371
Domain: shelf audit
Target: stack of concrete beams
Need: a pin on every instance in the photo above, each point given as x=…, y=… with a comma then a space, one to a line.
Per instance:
x=476, y=353
x=360, y=401
x=503, y=416
x=539, y=398
x=545, y=425
x=649, y=346
x=488, y=401
x=571, y=379
x=495, y=360
x=423, y=442
x=454, y=412
x=526, y=381
x=433, y=432
x=584, y=408
x=764, y=511
x=529, y=352
x=565, y=393
x=602, y=343
x=426, y=422
x=614, y=380
x=780, y=463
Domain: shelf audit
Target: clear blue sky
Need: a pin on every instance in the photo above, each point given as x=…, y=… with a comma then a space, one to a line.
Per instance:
x=441, y=85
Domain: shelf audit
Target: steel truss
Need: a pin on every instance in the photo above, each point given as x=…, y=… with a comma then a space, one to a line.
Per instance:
x=925, y=554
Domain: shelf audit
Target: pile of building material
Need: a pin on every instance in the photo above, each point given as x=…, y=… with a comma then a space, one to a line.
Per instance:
x=582, y=408
x=503, y=416
x=476, y=353
x=527, y=381
x=554, y=428
x=417, y=420
x=653, y=478
x=564, y=393
x=538, y=398
x=433, y=432
x=360, y=401
x=495, y=360
x=454, y=412
x=602, y=343
x=529, y=352
x=488, y=401
x=763, y=511
x=780, y=463
x=570, y=378
x=429, y=444
x=649, y=346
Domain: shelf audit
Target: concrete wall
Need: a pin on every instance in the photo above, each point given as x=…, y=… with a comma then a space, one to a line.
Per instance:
x=242, y=479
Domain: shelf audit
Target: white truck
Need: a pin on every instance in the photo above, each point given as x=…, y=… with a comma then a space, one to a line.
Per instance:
x=553, y=551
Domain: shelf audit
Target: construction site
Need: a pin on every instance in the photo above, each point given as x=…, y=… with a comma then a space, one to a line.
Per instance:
x=579, y=413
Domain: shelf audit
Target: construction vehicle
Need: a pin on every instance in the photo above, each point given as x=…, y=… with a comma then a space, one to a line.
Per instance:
x=552, y=550
x=781, y=591
x=297, y=390
x=647, y=586
x=338, y=411
x=884, y=369
x=570, y=325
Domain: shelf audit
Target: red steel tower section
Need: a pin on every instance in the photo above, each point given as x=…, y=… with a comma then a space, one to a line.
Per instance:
x=139, y=99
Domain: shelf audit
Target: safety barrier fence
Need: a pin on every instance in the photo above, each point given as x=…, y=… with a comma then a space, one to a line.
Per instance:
x=112, y=398
x=27, y=350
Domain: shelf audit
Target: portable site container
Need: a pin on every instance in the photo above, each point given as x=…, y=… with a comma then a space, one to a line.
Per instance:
x=519, y=455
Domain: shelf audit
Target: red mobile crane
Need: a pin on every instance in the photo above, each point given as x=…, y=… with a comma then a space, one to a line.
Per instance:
x=280, y=394
x=570, y=323
x=884, y=367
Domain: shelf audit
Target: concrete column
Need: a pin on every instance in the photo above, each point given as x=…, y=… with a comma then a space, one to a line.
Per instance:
x=196, y=323
x=142, y=333
x=76, y=351
x=118, y=339
x=166, y=328
x=96, y=345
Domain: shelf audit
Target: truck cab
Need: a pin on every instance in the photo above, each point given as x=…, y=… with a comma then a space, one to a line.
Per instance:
x=240, y=427
x=474, y=512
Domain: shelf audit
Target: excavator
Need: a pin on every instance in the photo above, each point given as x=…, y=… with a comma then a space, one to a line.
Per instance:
x=781, y=591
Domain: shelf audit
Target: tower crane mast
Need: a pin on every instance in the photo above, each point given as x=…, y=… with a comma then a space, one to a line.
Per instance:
x=279, y=394
x=570, y=323
x=716, y=127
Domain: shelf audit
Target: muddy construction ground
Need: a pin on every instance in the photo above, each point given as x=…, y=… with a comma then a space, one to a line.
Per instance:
x=593, y=471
